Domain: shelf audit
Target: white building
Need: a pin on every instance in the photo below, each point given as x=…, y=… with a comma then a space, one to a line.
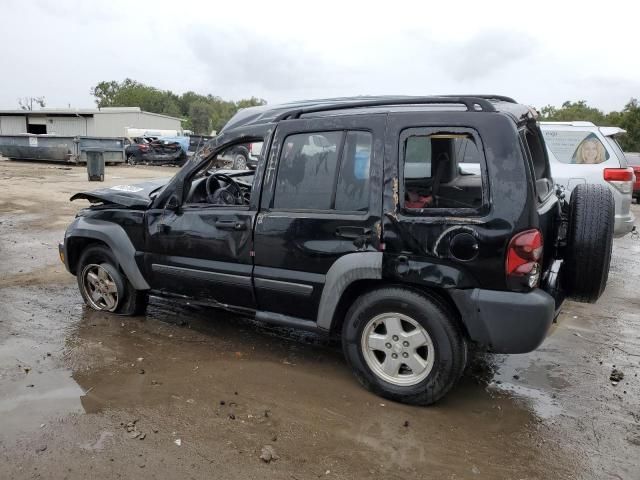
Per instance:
x=94, y=122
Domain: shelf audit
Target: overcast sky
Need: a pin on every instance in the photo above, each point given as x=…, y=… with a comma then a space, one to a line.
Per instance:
x=544, y=53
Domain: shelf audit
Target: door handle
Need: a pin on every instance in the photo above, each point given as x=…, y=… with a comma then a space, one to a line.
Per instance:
x=352, y=233
x=230, y=225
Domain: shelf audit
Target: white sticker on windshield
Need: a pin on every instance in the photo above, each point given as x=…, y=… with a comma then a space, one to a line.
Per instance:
x=127, y=188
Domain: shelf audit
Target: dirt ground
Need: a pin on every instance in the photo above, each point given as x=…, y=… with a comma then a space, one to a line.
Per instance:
x=203, y=392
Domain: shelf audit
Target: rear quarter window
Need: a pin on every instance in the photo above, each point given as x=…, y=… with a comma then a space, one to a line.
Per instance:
x=576, y=146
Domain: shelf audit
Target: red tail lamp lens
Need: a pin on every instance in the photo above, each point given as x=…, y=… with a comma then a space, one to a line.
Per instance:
x=618, y=174
x=525, y=249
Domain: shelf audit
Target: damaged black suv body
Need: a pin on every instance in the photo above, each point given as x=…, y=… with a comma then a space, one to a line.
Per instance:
x=408, y=226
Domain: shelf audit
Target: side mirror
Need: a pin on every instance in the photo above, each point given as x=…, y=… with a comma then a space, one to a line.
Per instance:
x=172, y=204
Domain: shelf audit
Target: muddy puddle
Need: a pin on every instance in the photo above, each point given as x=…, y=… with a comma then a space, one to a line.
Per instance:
x=216, y=380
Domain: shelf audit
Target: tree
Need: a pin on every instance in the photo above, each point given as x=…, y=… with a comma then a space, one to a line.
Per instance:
x=26, y=103
x=630, y=121
x=105, y=93
x=202, y=113
x=200, y=117
x=573, y=111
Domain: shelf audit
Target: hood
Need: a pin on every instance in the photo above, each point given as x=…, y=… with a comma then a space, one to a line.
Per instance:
x=126, y=195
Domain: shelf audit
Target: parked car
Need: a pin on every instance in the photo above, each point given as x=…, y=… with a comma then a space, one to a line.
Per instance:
x=380, y=236
x=581, y=153
x=633, y=159
x=245, y=155
x=197, y=141
x=134, y=147
x=154, y=150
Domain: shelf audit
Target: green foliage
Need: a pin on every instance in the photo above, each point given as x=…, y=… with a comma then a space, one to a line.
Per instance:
x=202, y=113
x=630, y=121
x=571, y=111
x=628, y=118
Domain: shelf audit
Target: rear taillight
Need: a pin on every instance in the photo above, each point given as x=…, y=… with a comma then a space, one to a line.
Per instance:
x=620, y=178
x=255, y=148
x=523, y=258
x=143, y=146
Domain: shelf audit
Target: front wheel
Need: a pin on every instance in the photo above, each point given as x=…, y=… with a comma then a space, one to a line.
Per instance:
x=404, y=345
x=239, y=161
x=104, y=287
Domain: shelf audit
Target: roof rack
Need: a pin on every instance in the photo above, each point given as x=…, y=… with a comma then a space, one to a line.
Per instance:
x=469, y=101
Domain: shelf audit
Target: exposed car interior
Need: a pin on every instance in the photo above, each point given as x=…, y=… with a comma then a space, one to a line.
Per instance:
x=442, y=171
x=219, y=187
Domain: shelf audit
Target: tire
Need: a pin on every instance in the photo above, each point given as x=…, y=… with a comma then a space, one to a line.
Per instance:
x=99, y=261
x=239, y=161
x=132, y=160
x=589, y=242
x=444, y=353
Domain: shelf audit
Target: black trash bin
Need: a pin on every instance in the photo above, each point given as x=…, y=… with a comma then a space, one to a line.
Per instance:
x=95, y=166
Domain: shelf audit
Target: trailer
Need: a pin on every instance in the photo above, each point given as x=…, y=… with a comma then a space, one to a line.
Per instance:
x=54, y=148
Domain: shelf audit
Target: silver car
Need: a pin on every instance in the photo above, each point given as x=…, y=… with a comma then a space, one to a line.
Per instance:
x=581, y=152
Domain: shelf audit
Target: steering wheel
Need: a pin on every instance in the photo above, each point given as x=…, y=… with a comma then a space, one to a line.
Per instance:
x=231, y=194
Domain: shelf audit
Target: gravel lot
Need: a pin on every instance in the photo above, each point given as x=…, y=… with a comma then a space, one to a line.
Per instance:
x=196, y=393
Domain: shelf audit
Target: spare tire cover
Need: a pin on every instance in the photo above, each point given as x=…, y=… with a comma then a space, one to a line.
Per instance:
x=589, y=242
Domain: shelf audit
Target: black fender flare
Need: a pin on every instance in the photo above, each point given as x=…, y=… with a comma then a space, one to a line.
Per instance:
x=344, y=271
x=115, y=237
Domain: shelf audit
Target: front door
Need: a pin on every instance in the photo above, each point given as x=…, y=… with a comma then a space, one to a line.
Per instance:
x=203, y=251
x=321, y=200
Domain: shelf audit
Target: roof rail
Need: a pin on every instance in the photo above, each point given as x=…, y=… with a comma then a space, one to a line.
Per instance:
x=502, y=98
x=469, y=101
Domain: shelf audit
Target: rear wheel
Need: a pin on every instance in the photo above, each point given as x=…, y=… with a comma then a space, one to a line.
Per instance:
x=104, y=287
x=589, y=242
x=132, y=160
x=404, y=345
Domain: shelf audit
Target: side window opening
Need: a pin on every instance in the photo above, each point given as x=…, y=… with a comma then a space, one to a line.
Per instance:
x=324, y=171
x=201, y=189
x=535, y=152
x=442, y=171
x=307, y=170
x=352, y=193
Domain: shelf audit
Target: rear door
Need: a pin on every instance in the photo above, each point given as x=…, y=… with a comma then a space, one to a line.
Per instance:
x=321, y=200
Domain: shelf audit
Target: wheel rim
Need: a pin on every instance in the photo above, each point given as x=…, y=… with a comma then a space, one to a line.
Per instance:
x=101, y=290
x=397, y=349
x=131, y=160
x=241, y=162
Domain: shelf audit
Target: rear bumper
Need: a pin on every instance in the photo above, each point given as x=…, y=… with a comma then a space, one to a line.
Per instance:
x=623, y=224
x=506, y=322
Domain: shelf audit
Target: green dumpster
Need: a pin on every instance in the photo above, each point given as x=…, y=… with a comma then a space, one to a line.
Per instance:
x=95, y=166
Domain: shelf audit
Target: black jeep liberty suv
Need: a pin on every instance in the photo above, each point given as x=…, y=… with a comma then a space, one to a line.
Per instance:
x=408, y=226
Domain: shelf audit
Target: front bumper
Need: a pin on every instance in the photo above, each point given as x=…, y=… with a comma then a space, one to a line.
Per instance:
x=506, y=322
x=62, y=252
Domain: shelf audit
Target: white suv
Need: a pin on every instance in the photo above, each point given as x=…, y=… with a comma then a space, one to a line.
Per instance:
x=581, y=152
